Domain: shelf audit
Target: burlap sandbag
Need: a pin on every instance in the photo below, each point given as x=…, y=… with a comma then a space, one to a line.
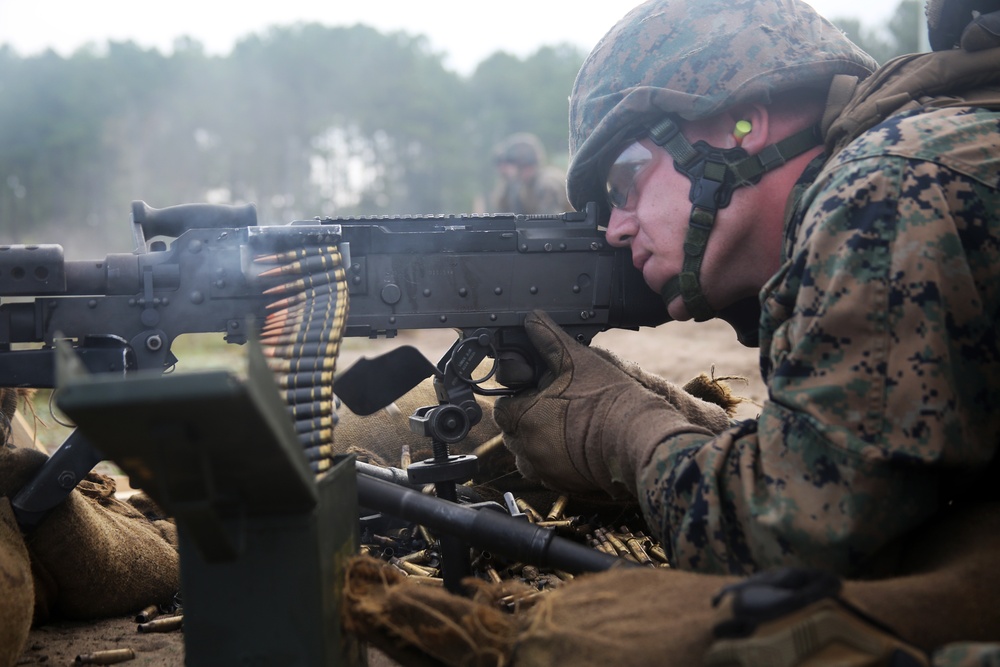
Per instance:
x=95, y=556
x=17, y=592
x=652, y=616
x=423, y=625
x=92, y=556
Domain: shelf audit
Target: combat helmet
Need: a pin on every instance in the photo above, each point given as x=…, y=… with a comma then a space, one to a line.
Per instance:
x=522, y=149
x=672, y=59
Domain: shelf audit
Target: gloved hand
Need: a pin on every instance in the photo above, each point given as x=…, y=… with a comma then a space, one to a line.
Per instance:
x=594, y=425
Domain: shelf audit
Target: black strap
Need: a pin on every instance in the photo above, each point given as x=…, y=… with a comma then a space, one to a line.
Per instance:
x=714, y=174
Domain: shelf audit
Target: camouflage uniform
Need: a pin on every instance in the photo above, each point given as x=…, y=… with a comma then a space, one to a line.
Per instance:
x=880, y=349
x=878, y=335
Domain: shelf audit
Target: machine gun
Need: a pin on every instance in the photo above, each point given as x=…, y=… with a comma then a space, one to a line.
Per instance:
x=192, y=270
x=479, y=274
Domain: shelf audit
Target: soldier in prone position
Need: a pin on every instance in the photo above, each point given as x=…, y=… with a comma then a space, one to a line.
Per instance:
x=764, y=171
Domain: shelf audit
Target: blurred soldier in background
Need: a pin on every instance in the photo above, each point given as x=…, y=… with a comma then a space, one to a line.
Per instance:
x=527, y=184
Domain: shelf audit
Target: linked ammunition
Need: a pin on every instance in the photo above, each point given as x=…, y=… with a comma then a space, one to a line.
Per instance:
x=316, y=438
x=492, y=574
x=303, y=350
x=321, y=452
x=302, y=364
x=310, y=410
x=109, y=657
x=310, y=281
x=305, y=379
x=320, y=466
x=300, y=300
x=315, y=263
x=297, y=254
x=315, y=424
x=302, y=334
x=165, y=624
x=308, y=394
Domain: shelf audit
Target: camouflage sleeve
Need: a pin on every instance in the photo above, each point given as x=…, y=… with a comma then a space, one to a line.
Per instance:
x=880, y=350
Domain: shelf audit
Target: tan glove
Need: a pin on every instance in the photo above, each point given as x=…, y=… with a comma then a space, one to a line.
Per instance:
x=594, y=425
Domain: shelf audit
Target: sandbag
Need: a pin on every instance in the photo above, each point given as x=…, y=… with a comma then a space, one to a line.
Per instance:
x=17, y=592
x=95, y=556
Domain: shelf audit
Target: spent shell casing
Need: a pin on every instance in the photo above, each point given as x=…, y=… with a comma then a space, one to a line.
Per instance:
x=109, y=657
x=165, y=624
x=404, y=457
x=147, y=614
x=555, y=513
x=617, y=544
x=426, y=581
x=657, y=552
x=418, y=557
x=599, y=542
x=532, y=513
x=413, y=568
x=635, y=546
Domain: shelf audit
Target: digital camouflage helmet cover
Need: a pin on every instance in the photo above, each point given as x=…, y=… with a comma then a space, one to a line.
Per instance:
x=668, y=60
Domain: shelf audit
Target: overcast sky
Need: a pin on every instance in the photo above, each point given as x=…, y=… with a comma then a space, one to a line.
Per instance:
x=467, y=31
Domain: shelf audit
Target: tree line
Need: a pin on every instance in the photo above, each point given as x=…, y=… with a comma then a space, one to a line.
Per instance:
x=303, y=120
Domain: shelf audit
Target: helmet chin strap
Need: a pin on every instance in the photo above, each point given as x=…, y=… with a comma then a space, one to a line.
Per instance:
x=714, y=174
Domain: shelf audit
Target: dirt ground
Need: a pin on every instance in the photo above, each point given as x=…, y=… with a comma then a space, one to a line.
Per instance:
x=676, y=351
